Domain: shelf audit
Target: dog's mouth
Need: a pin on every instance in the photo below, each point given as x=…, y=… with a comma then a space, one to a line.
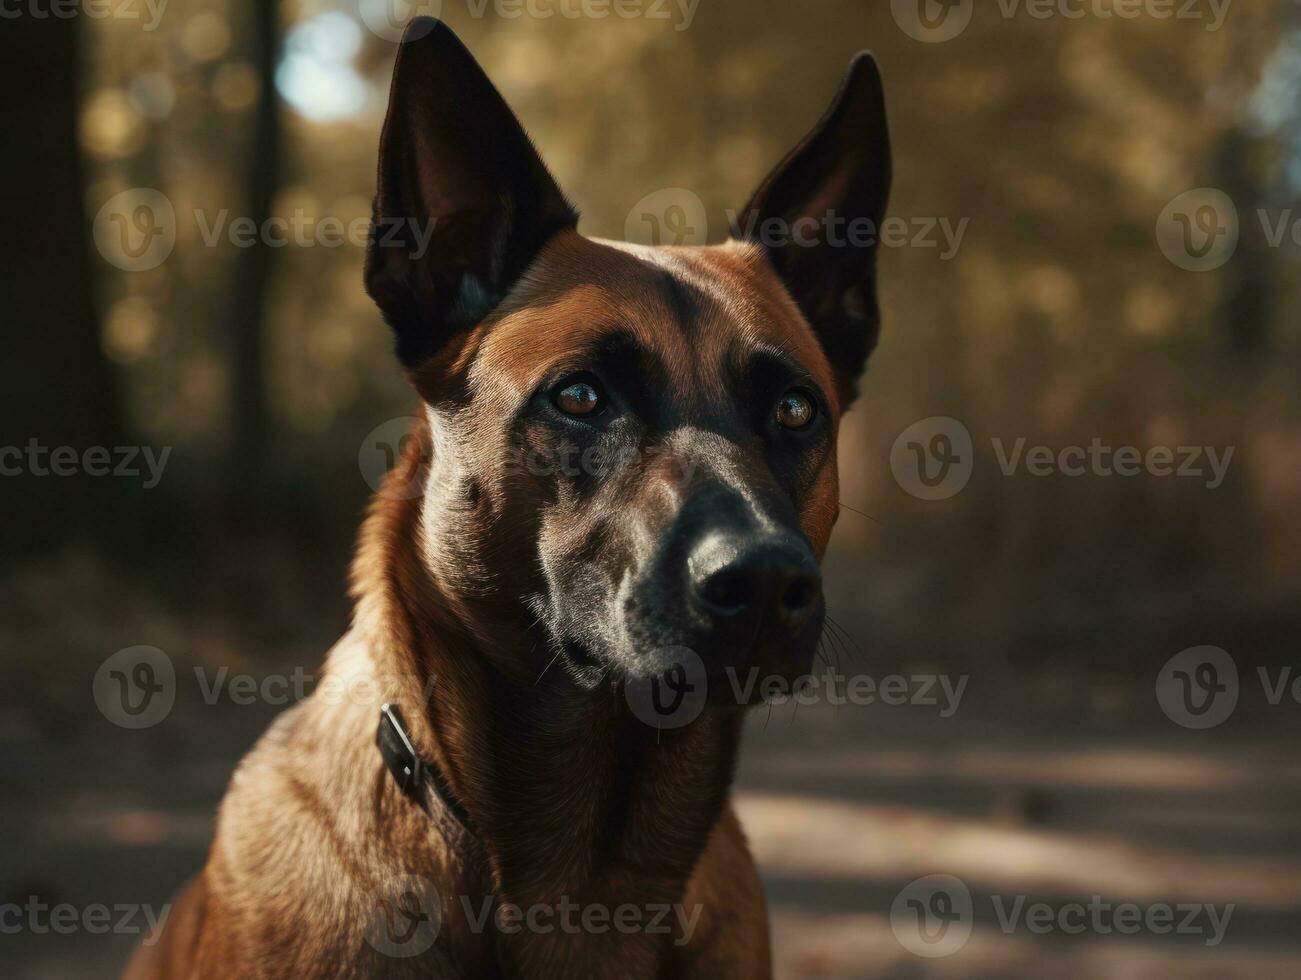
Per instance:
x=585, y=666
x=734, y=668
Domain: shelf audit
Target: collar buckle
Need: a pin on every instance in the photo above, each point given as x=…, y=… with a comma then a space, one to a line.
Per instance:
x=421, y=781
x=399, y=753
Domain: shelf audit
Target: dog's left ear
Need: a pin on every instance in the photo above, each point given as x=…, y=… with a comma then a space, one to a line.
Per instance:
x=464, y=202
x=828, y=199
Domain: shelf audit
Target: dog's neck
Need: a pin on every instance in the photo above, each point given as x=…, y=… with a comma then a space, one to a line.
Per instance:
x=571, y=796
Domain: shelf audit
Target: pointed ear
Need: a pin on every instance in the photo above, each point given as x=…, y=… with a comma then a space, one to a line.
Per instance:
x=829, y=198
x=464, y=203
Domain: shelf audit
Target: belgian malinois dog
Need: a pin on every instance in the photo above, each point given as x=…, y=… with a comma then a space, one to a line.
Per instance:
x=495, y=805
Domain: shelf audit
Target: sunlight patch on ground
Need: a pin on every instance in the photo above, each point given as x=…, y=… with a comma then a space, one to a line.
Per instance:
x=804, y=837
x=1131, y=767
x=856, y=947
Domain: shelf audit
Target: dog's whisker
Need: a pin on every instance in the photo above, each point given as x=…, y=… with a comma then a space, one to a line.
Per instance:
x=821, y=651
x=847, y=638
x=829, y=647
x=861, y=513
x=548, y=666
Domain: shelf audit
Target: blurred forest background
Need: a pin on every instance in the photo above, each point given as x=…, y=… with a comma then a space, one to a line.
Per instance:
x=1060, y=141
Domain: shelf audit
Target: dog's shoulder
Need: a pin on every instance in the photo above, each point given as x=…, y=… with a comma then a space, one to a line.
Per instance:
x=312, y=832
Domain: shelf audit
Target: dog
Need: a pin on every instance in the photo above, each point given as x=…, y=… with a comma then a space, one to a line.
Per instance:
x=495, y=804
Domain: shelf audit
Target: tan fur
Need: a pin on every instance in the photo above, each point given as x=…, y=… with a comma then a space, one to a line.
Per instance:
x=313, y=829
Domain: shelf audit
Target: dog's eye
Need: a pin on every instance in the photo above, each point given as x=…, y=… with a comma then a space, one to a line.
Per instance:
x=579, y=398
x=796, y=409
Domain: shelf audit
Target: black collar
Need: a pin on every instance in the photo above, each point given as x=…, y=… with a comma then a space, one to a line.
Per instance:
x=422, y=781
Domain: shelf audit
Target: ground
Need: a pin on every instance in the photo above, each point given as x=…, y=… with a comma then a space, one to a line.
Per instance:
x=1063, y=792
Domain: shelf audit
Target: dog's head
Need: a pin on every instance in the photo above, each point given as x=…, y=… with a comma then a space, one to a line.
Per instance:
x=629, y=449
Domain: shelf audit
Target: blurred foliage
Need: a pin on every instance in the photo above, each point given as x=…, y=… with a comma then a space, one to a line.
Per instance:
x=1059, y=319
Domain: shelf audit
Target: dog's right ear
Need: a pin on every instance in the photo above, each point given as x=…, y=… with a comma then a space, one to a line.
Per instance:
x=464, y=202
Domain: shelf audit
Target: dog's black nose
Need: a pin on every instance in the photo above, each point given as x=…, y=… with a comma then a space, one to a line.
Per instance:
x=773, y=578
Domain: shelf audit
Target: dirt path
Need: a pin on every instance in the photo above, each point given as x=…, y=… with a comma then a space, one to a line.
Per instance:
x=845, y=807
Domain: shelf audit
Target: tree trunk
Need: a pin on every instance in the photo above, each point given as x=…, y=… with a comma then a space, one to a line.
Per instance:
x=250, y=413
x=59, y=388
x=1250, y=289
